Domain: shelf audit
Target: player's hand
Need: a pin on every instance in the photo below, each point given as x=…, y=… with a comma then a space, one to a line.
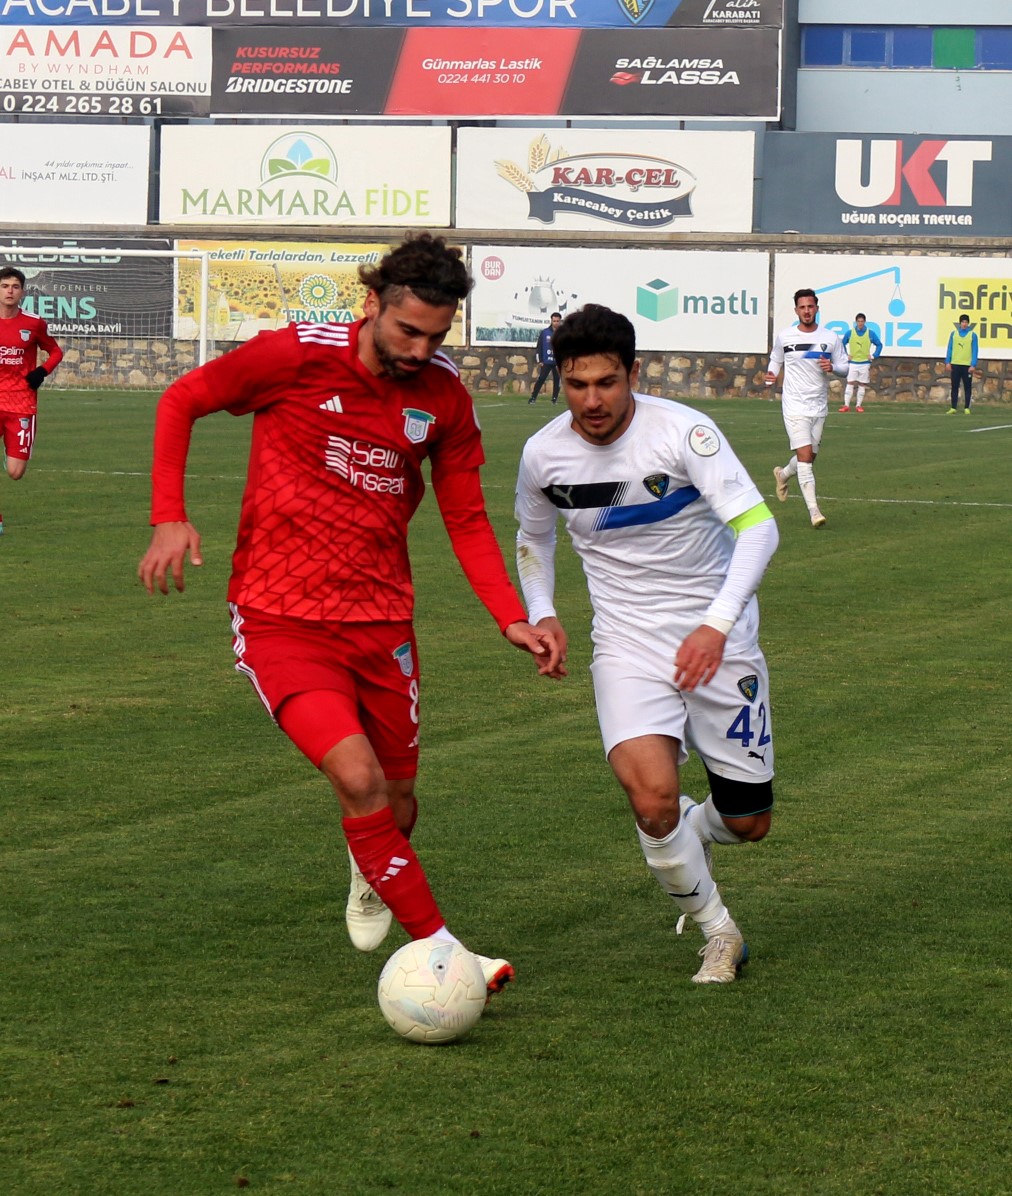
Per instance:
x=769, y=379
x=699, y=657
x=825, y=365
x=36, y=377
x=544, y=644
x=170, y=543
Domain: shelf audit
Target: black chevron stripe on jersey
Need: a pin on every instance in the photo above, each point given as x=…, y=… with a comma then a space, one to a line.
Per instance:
x=585, y=495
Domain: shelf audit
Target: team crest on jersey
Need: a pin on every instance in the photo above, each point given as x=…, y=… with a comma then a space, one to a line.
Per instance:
x=26, y=334
x=405, y=659
x=657, y=484
x=704, y=441
x=749, y=687
x=416, y=424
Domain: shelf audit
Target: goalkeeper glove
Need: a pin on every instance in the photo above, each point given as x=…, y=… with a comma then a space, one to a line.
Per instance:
x=36, y=377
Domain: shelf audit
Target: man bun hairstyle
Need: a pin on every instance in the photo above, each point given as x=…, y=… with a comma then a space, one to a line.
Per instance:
x=595, y=329
x=424, y=265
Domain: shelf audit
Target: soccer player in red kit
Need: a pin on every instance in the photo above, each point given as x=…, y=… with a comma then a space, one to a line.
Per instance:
x=320, y=593
x=21, y=337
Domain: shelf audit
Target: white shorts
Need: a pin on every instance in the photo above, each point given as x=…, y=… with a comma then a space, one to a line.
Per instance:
x=803, y=429
x=727, y=722
x=859, y=371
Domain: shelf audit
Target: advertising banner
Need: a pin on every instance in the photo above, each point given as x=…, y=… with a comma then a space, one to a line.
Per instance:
x=260, y=285
x=92, y=296
x=678, y=300
x=628, y=181
x=98, y=71
x=576, y=14
x=913, y=303
x=866, y=186
x=719, y=72
x=333, y=175
x=308, y=72
x=723, y=72
x=62, y=174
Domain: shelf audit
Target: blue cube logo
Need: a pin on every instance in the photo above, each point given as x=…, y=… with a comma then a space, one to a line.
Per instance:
x=657, y=300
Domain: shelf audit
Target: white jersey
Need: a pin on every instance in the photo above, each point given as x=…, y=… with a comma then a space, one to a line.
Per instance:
x=806, y=385
x=647, y=514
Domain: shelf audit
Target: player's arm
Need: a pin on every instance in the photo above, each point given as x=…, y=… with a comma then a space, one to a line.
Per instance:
x=776, y=362
x=876, y=345
x=173, y=537
x=839, y=362
x=536, y=542
x=700, y=653
x=948, y=351
x=54, y=353
x=242, y=381
x=462, y=507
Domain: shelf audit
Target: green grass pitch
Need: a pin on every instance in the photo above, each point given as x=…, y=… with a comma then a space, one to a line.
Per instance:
x=182, y=1012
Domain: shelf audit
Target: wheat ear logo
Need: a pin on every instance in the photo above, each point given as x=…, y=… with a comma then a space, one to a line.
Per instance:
x=631, y=190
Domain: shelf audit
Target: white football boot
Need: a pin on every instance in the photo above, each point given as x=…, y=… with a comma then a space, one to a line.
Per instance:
x=781, y=481
x=723, y=956
x=498, y=973
x=367, y=918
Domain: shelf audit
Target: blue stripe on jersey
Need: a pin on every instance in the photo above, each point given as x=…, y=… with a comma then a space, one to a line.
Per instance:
x=647, y=512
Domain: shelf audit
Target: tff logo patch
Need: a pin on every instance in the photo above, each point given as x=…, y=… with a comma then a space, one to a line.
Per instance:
x=404, y=657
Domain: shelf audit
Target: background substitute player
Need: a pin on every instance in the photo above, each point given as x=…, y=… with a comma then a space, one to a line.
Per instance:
x=807, y=354
x=674, y=538
x=863, y=346
x=21, y=337
x=320, y=593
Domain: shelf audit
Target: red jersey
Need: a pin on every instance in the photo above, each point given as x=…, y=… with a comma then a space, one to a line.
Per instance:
x=20, y=340
x=335, y=475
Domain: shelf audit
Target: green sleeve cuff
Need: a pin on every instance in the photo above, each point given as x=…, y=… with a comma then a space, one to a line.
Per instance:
x=758, y=514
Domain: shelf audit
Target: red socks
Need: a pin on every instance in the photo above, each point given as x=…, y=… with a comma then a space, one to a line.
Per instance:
x=388, y=862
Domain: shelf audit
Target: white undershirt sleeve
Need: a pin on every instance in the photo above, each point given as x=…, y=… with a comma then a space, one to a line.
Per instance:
x=753, y=550
x=536, y=569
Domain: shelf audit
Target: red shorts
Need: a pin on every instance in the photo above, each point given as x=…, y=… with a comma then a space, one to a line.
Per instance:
x=369, y=672
x=18, y=435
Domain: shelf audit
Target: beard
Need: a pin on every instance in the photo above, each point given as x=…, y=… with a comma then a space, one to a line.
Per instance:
x=394, y=366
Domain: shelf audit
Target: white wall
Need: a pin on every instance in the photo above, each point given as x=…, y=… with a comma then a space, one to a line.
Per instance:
x=945, y=102
x=943, y=13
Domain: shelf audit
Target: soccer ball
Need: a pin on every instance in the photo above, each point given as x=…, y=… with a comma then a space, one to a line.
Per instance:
x=432, y=991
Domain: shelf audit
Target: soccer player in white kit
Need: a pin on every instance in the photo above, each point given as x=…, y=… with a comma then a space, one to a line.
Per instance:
x=674, y=538
x=807, y=354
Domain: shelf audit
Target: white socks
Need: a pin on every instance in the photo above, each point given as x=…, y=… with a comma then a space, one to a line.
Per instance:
x=679, y=866
x=708, y=824
x=806, y=480
x=791, y=468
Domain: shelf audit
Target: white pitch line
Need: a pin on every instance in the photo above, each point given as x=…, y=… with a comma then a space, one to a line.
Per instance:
x=916, y=502
x=224, y=477
x=142, y=473
x=993, y=428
